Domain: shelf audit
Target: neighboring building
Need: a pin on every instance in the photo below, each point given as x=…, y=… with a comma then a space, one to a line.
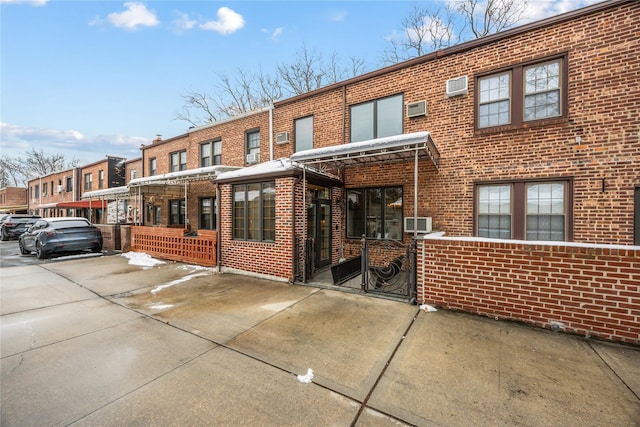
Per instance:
x=13, y=200
x=60, y=193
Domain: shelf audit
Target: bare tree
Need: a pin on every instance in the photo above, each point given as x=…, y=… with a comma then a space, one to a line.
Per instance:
x=18, y=171
x=245, y=91
x=426, y=29
x=491, y=16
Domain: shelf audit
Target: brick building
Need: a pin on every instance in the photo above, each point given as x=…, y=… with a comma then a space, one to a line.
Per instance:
x=60, y=193
x=526, y=140
x=13, y=200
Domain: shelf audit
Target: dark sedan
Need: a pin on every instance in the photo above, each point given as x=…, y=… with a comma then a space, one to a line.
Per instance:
x=63, y=235
x=16, y=224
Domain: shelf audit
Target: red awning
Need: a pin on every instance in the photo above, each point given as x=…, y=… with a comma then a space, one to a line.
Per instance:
x=83, y=204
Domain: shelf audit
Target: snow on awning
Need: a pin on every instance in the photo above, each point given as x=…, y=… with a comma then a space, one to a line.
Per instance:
x=106, y=192
x=274, y=169
x=388, y=149
x=180, y=177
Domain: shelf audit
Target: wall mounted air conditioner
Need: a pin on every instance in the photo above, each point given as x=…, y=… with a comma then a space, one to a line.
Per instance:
x=60, y=188
x=282, y=138
x=253, y=158
x=423, y=224
x=417, y=109
x=457, y=86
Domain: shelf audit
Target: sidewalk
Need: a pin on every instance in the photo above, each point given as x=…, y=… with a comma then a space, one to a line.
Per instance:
x=100, y=342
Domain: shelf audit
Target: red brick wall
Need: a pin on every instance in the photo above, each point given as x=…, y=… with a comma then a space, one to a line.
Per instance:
x=275, y=259
x=604, y=111
x=231, y=132
x=12, y=196
x=132, y=165
x=591, y=290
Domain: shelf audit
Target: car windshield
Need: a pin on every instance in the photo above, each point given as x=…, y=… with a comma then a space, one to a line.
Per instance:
x=70, y=223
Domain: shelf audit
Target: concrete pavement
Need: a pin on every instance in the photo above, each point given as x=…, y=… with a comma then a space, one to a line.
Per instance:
x=100, y=342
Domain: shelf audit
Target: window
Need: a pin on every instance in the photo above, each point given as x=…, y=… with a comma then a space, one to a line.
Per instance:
x=176, y=212
x=208, y=213
x=253, y=144
x=377, y=119
x=133, y=174
x=178, y=161
x=87, y=181
x=254, y=211
x=542, y=91
x=69, y=185
x=44, y=189
x=101, y=179
x=375, y=213
x=521, y=94
x=523, y=210
x=157, y=216
x=211, y=153
x=152, y=166
x=303, y=137
x=37, y=191
x=495, y=101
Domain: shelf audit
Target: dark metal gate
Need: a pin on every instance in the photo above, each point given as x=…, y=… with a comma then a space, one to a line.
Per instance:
x=389, y=268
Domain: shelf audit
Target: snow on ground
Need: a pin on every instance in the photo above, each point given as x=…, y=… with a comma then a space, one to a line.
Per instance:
x=160, y=306
x=177, y=281
x=141, y=259
x=306, y=378
x=427, y=307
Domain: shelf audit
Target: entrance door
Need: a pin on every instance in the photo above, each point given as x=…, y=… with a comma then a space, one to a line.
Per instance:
x=319, y=229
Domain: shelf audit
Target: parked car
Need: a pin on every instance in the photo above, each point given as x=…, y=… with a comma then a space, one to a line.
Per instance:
x=16, y=224
x=62, y=235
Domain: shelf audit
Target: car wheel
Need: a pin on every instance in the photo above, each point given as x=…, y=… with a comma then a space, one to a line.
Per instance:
x=96, y=249
x=39, y=252
x=23, y=251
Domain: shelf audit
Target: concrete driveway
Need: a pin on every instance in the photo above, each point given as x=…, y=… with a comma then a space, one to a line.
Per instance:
x=100, y=342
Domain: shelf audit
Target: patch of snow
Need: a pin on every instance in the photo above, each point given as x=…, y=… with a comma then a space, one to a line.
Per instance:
x=141, y=259
x=308, y=378
x=194, y=267
x=177, y=282
x=428, y=308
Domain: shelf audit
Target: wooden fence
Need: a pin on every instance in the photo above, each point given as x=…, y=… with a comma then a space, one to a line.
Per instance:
x=173, y=244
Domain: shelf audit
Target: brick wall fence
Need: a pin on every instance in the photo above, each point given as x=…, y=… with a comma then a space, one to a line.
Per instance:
x=586, y=289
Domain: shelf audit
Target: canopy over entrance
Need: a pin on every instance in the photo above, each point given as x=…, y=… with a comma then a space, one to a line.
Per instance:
x=395, y=148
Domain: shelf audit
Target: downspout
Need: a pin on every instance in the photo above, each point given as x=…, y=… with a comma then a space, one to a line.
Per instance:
x=305, y=227
x=186, y=208
x=219, y=234
x=270, y=133
x=295, y=257
x=344, y=113
x=415, y=196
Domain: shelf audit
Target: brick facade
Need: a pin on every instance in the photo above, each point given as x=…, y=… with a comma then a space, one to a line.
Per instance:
x=591, y=290
x=13, y=199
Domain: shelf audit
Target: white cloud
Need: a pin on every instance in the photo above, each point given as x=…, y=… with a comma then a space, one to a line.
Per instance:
x=228, y=22
x=183, y=22
x=275, y=34
x=540, y=9
x=17, y=139
x=136, y=15
x=29, y=2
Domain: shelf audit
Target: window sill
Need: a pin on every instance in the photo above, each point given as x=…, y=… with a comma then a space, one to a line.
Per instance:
x=528, y=125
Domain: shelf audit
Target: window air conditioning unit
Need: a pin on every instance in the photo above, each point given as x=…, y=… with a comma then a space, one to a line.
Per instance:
x=60, y=188
x=420, y=224
x=282, y=138
x=253, y=158
x=457, y=86
x=417, y=109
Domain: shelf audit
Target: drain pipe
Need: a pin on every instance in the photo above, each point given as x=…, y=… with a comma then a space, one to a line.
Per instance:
x=271, y=133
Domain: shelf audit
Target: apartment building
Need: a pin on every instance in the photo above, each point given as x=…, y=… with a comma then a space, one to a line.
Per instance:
x=13, y=200
x=517, y=154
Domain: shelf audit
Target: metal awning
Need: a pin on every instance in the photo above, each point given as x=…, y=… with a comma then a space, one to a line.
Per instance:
x=381, y=150
x=182, y=177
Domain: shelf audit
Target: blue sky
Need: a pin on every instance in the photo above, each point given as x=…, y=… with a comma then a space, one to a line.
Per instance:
x=91, y=78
